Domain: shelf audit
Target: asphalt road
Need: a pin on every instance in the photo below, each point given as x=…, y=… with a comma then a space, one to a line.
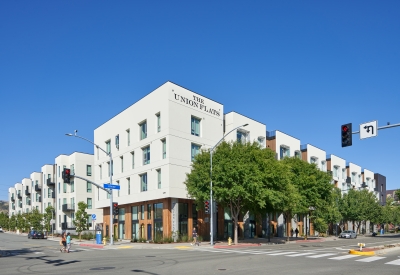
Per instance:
x=25, y=256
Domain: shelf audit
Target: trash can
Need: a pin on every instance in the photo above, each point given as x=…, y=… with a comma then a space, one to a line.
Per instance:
x=381, y=231
x=98, y=237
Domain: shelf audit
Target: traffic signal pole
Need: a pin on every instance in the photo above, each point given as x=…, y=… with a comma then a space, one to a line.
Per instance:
x=382, y=127
x=109, y=191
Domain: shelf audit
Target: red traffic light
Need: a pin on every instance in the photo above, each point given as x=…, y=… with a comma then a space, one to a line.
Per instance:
x=345, y=128
x=67, y=171
x=115, y=204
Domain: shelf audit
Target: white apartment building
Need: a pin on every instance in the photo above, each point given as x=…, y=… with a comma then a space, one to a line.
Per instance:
x=354, y=175
x=26, y=195
x=13, y=201
x=313, y=154
x=283, y=144
x=48, y=186
x=337, y=166
x=36, y=191
x=68, y=195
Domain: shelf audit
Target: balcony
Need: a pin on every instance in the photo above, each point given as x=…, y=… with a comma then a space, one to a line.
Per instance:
x=38, y=187
x=19, y=195
x=12, y=197
x=53, y=195
x=28, y=203
x=27, y=191
x=67, y=225
x=20, y=205
x=68, y=207
x=40, y=199
x=13, y=207
x=49, y=182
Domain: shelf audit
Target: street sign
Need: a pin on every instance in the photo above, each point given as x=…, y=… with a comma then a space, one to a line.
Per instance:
x=369, y=129
x=52, y=221
x=93, y=216
x=111, y=186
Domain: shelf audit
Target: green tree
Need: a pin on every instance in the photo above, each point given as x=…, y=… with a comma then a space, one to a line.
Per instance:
x=4, y=221
x=35, y=219
x=81, y=218
x=313, y=186
x=47, y=216
x=21, y=222
x=13, y=223
x=245, y=178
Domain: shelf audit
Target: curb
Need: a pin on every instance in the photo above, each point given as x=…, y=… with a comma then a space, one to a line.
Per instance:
x=237, y=245
x=362, y=253
x=92, y=245
x=310, y=241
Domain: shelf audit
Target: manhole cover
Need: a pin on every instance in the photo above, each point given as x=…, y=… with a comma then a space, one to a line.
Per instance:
x=102, y=268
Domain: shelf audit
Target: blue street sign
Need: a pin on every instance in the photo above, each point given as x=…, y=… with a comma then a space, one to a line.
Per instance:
x=111, y=186
x=93, y=216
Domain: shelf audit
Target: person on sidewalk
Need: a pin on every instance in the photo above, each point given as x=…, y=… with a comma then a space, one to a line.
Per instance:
x=68, y=242
x=63, y=242
x=296, y=231
x=194, y=236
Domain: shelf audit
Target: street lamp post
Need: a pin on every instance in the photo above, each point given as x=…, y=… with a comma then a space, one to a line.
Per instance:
x=109, y=191
x=211, y=193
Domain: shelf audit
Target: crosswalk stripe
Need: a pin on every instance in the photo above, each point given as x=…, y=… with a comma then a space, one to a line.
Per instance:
x=300, y=254
x=321, y=255
x=281, y=253
x=371, y=259
x=344, y=257
x=395, y=262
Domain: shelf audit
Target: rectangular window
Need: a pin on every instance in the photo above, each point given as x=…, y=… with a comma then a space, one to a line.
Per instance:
x=313, y=160
x=118, y=189
x=88, y=170
x=195, y=150
x=135, y=214
x=195, y=126
x=49, y=193
x=122, y=164
x=149, y=211
x=128, y=136
x=164, y=148
x=284, y=152
x=89, y=203
x=159, y=178
x=108, y=168
x=88, y=187
x=143, y=130
x=37, y=197
x=72, y=186
x=108, y=146
x=59, y=171
x=353, y=177
x=48, y=204
x=344, y=173
x=158, y=122
x=242, y=136
x=117, y=142
x=89, y=220
x=143, y=182
x=65, y=187
x=72, y=169
x=261, y=142
x=323, y=166
x=146, y=155
x=335, y=171
x=142, y=212
x=101, y=172
x=129, y=185
x=297, y=154
x=59, y=204
x=133, y=159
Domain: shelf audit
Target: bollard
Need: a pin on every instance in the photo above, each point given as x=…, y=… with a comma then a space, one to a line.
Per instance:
x=229, y=241
x=104, y=241
x=361, y=245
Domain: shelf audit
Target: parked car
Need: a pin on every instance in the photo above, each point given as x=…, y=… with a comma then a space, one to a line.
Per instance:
x=35, y=235
x=348, y=234
x=1, y=230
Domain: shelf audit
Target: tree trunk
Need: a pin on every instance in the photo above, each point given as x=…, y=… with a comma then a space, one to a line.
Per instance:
x=235, y=224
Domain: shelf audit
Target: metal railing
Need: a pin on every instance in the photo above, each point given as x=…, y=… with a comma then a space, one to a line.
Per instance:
x=38, y=187
x=68, y=207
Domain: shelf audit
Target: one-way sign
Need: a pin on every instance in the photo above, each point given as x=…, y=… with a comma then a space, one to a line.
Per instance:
x=369, y=129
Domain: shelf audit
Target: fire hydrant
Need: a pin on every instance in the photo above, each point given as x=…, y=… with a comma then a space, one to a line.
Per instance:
x=104, y=241
x=229, y=241
x=361, y=245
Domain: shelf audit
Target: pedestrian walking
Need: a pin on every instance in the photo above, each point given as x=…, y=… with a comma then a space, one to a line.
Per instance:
x=194, y=236
x=63, y=242
x=296, y=231
x=68, y=242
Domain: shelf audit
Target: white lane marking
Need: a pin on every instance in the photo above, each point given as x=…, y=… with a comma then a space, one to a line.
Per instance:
x=395, y=262
x=281, y=253
x=370, y=259
x=344, y=257
x=322, y=255
x=300, y=254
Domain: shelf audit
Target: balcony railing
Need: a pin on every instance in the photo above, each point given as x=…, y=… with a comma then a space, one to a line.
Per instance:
x=50, y=182
x=67, y=225
x=27, y=191
x=38, y=187
x=40, y=199
x=68, y=207
x=19, y=195
x=12, y=197
x=20, y=205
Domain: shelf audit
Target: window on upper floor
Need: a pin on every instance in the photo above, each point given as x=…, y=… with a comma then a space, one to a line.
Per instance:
x=195, y=150
x=158, y=116
x=164, y=148
x=88, y=170
x=133, y=159
x=128, y=137
x=314, y=160
x=143, y=130
x=89, y=203
x=353, y=177
x=122, y=164
x=143, y=182
x=108, y=146
x=146, y=155
x=261, y=142
x=297, y=154
x=72, y=186
x=195, y=126
x=88, y=187
x=359, y=179
x=129, y=185
x=100, y=171
x=117, y=142
x=159, y=178
x=323, y=165
x=64, y=188
x=242, y=136
x=336, y=171
x=284, y=152
x=72, y=167
x=344, y=173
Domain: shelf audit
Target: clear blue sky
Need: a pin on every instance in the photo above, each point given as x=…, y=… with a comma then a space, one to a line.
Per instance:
x=303, y=67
